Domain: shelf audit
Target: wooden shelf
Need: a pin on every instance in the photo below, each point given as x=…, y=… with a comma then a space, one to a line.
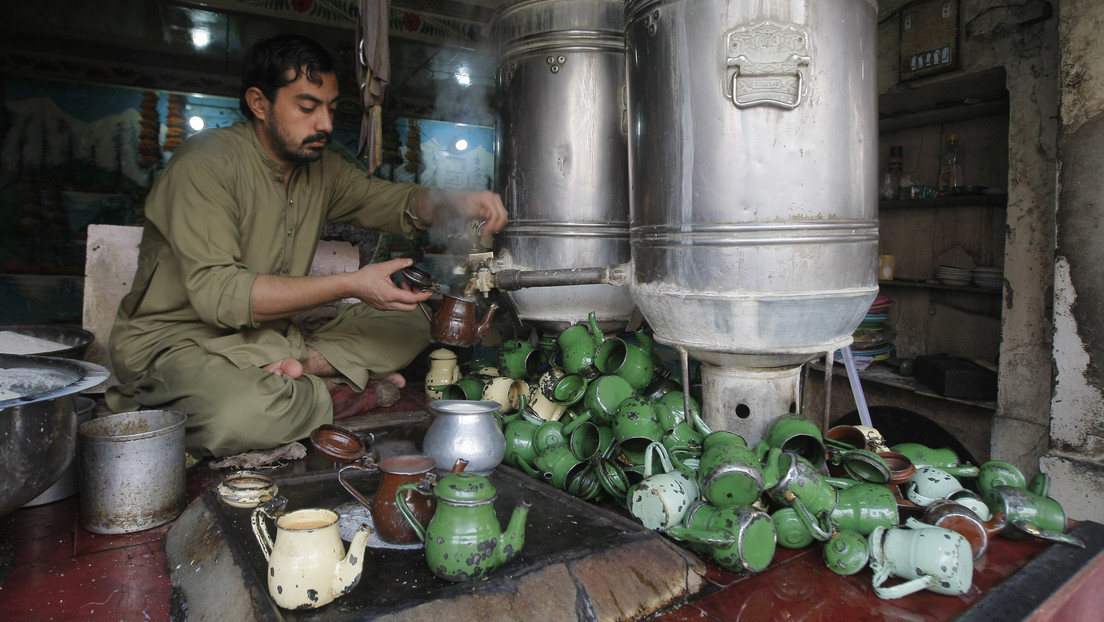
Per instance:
x=977, y=200
x=943, y=100
x=883, y=375
x=969, y=289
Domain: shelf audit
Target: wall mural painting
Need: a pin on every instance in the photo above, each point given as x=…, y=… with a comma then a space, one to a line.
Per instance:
x=72, y=155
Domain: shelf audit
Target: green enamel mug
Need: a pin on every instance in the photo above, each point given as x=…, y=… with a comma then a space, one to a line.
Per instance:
x=729, y=472
x=603, y=396
x=928, y=558
x=997, y=473
x=1030, y=515
x=940, y=458
x=794, y=433
x=636, y=427
x=740, y=538
x=632, y=362
x=518, y=359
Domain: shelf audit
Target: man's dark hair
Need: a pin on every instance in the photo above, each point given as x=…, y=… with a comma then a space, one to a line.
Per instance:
x=268, y=62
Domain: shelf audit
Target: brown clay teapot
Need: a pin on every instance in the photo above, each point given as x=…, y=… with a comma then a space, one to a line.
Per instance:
x=455, y=322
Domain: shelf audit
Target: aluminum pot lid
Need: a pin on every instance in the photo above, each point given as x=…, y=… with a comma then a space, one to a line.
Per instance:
x=26, y=379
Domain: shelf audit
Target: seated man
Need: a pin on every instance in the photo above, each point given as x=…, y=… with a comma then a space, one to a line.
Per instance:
x=231, y=229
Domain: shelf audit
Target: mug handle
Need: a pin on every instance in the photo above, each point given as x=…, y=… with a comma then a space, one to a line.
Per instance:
x=902, y=589
x=656, y=448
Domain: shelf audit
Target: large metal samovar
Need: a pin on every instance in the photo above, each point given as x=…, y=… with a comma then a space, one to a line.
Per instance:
x=561, y=154
x=753, y=144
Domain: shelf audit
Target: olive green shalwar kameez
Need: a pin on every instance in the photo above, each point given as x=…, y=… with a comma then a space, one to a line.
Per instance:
x=185, y=338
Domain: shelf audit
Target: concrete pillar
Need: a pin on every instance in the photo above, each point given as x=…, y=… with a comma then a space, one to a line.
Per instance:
x=1075, y=460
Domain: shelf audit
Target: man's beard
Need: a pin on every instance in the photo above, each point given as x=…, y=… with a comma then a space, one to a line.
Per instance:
x=298, y=154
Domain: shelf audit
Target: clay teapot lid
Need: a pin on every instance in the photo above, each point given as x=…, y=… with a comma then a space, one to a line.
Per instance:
x=337, y=443
x=418, y=279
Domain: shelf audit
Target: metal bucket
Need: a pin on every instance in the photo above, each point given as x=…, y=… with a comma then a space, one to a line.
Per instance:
x=753, y=170
x=131, y=471
x=561, y=156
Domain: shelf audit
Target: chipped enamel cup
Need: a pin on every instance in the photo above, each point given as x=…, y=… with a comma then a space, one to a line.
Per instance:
x=927, y=558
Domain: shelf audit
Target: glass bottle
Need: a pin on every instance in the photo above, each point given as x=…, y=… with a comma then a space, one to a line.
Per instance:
x=950, y=172
x=891, y=180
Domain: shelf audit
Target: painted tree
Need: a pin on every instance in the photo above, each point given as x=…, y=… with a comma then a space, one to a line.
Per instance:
x=174, y=120
x=414, y=149
x=149, y=133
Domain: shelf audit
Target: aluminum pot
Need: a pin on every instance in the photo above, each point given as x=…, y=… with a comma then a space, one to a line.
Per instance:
x=66, y=485
x=38, y=426
x=465, y=430
x=753, y=174
x=561, y=159
x=131, y=471
x=72, y=341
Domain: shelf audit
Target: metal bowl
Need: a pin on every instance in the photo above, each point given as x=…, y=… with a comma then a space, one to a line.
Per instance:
x=38, y=424
x=75, y=340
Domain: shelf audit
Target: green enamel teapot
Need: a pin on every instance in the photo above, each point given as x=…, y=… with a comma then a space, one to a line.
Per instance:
x=463, y=540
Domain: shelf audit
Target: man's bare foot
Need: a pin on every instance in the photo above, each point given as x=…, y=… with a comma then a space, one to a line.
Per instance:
x=286, y=367
x=394, y=378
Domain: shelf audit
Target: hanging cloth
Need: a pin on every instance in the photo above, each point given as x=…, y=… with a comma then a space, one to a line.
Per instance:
x=374, y=70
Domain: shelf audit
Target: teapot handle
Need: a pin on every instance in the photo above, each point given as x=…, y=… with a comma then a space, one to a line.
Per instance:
x=349, y=487
x=271, y=509
x=574, y=424
x=425, y=310
x=598, y=336
x=400, y=501
x=807, y=519
x=963, y=470
x=708, y=538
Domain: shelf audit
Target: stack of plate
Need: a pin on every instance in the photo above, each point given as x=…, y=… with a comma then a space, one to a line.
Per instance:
x=874, y=336
x=950, y=275
x=988, y=278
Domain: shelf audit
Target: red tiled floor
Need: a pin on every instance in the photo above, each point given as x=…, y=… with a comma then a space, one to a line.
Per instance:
x=120, y=584
x=56, y=570
x=62, y=572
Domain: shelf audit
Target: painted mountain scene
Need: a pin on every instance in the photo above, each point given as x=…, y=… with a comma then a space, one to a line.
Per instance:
x=72, y=155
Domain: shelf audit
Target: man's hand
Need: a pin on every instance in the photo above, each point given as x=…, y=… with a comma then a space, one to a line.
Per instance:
x=435, y=206
x=276, y=297
x=374, y=286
